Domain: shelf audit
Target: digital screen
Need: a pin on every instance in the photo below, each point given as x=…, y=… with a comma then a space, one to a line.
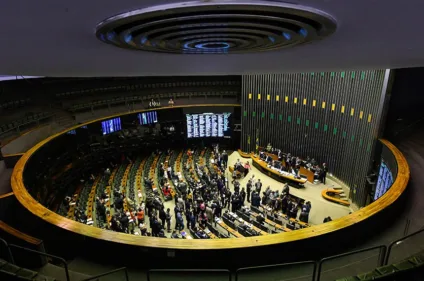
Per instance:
x=208, y=125
x=384, y=182
x=84, y=127
x=147, y=118
x=111, y=126
x=71, y=132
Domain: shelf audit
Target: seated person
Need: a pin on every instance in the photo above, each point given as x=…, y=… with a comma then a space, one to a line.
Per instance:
x=262, y=155
x=268, y=159
x=166, y=192
x=260, y=219
x=175, y=235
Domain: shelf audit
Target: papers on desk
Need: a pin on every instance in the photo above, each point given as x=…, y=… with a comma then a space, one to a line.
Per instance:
x=72, y=203
x=207, y=231
x=217, y=220
x=248, y=224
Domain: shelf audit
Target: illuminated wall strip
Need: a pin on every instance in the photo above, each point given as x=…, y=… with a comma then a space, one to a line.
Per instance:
x=277, y=98
x=268, y=97
x=361, y=114
x=250, y=96
x=304, y=101
x=369, y=118
x=352, y=111
x=314, y=103
x=343, y=109
x=333, y=107
x=323, y=104
x=286, y=99
x=259, y=96
x=295, y=100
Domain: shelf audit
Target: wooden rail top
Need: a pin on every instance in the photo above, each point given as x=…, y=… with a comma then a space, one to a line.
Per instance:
x=39, y=210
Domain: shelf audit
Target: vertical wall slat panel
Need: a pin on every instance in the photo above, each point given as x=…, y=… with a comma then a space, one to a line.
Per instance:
x=343, y=141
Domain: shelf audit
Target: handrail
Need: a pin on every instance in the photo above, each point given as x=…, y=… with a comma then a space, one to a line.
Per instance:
x=383, y=250
x=314, y=272
x=108, y=273
x=6, y=195
x=16, y=233
x=389, y=248
x=189, y=270
x=8, y=250
x=45, y=255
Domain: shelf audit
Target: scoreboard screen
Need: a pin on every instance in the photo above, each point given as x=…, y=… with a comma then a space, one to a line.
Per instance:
x=216, y=125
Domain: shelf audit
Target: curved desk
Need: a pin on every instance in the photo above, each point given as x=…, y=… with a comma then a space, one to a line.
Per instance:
x=262, y=166
x=327, y=194
x=363, y=214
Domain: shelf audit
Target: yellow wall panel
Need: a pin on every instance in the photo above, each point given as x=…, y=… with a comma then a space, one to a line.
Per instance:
x=361, y=114
x=250, y=96
x=268, y=97
x=352, y=111
x=369, y=118
x=323, y=104
x=286, y=99
x=259, y=96
x=333, y=107
x=314, y=103
x=277, y=98
x=343, y=108
x=304, y=101
x=295, y=100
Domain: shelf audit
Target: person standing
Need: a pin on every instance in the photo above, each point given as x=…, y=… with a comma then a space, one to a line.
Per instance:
x=243, y=196
x=258, y=186
x=324, y=172
x=168, y=220
x=162, y=216
x=249, y=189
x=225, y=159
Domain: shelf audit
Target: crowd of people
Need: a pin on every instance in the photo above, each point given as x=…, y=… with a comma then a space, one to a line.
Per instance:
x=200, y=195
x=292, y=163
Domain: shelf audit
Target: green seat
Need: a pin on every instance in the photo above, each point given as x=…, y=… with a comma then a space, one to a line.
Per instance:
x=417, y=260
x=26, y=274
x=404, y=265
x=387, y=269
x=368, y=276
x=10, y=268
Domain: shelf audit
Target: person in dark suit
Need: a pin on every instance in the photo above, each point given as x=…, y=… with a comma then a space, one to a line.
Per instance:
x=258, y=186
x=324, y=172
x=225, y=158
x=249, y=189
x=243, y=196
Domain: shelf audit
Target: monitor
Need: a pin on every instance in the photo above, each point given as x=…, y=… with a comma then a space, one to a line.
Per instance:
x=111, y=126
x=71, y=132
x=385, y=180
x=146, y=118
x=202, y=125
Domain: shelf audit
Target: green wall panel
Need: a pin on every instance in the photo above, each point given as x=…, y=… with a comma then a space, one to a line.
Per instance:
x=340, y=91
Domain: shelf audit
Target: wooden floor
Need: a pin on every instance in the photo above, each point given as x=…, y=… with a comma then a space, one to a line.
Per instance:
x=37, y=209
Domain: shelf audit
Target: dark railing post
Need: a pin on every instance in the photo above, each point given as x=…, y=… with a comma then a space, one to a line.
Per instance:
x=381, y=255
x=11, y=259
x=65, y=265
x=389, y=248
x=108, y=273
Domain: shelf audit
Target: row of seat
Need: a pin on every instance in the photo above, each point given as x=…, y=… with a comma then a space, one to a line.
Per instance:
x=31, y=118
x=139, y=98
x=12, y=272
x=139, y=86
x=15, y=103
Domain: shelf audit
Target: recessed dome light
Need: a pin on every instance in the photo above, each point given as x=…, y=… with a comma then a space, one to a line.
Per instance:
x=192, y=27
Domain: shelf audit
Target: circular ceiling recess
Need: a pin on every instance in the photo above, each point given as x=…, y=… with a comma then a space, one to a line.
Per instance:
x=216, y=27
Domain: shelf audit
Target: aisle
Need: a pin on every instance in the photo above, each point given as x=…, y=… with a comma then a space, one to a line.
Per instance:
x=321, y=208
